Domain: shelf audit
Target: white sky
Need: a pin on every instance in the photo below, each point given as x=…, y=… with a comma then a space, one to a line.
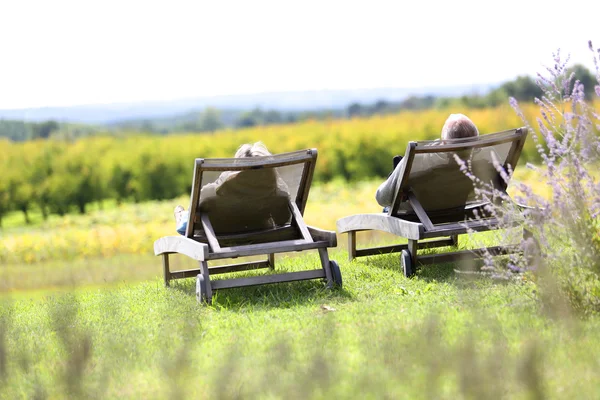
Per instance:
x=60, y=52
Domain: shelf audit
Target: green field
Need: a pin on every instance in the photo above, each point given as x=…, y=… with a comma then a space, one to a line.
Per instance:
x=101, y=325
x=130, y=229
x=439, y=335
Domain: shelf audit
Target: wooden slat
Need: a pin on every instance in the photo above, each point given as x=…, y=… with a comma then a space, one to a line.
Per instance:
x=287, y=232
x=436, y=243
x=515, y=152
x=266, y=279
x=421, y=213
x=483, y=142
x=166, y=271
x=268, y=234
x=210, y=233
x=245, y=163
x=325, y=265
x=409, y=229
x=491, y=137
x=352, y=252
x=306, y=180
x=413, y=246
x=265, y=248
x=181, y=245
x=185, y=273
x=454, y=240
x=320, y=235
x=465, y=254
x=206, y=275
x=404, y=174
x=300, y=222
x=271, y=261
x=381, y=222
x=461, y=228
x=456, y=229
x=194, y=197
x=223, y=269
x=369, y=251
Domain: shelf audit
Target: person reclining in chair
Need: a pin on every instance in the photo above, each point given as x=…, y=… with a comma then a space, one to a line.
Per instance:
x=456, y=126
x=232, y=189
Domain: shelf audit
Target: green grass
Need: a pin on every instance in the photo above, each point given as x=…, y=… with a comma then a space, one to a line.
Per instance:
x=18, y=280
x=105, y=327
x=437, y=335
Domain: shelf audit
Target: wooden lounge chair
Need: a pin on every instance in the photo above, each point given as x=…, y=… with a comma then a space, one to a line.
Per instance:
x=246, y=207
x=435, y=199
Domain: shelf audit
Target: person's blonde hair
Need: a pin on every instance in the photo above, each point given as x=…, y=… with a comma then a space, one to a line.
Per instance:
x=459, y=126
x=257, y=149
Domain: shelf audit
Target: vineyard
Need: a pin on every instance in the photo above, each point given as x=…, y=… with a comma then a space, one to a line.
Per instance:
x=59, y=177
x=132, y=228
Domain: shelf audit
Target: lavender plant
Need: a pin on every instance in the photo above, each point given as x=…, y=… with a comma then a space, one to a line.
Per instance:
x=561, y=237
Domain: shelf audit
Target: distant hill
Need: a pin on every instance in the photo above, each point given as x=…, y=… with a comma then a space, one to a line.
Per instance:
x=282, y=101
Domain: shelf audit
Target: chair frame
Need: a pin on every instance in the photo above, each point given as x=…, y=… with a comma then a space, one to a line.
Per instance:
x=424, y=227
x=212, y=247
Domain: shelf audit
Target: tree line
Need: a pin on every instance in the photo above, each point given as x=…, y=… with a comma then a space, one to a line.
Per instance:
x=523, y=88
x=19, y=131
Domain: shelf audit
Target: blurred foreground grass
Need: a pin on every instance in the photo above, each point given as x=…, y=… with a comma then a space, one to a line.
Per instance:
x=440, y=335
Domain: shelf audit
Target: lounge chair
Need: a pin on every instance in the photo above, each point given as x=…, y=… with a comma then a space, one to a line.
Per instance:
x=246, y=207
x=435, y=199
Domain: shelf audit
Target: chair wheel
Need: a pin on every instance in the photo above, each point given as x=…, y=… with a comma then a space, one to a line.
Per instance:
x=407, y=265
x=336, y=274
x=201, y=292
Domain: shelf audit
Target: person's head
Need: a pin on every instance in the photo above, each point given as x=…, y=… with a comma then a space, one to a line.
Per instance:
x=458, y=126
x=252, y=150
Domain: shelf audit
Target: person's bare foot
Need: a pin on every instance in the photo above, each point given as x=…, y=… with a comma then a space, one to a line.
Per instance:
x=177, y=212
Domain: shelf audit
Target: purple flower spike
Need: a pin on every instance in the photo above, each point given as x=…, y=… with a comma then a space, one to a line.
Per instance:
x=563, y=226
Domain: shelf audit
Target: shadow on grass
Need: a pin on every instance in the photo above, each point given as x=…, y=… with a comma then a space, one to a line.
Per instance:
x=437, y=272
x=467, y=273
x=461, y=273
x=276, y=295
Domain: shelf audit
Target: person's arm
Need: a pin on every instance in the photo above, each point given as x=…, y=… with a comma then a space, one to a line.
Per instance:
x=386, y=191
x=208, y=191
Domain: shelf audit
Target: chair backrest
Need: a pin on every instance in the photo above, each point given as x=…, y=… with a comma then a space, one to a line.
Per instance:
x=433, y=174
x=242, y=195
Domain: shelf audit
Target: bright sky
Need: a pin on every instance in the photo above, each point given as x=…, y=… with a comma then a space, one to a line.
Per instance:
x=61, y=52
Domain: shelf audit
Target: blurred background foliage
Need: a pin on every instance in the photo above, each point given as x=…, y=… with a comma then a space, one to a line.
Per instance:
x=58, y=177
x=57, y=168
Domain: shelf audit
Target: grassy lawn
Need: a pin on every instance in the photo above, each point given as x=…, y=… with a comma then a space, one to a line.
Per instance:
x=440, y=334
x=79, y=325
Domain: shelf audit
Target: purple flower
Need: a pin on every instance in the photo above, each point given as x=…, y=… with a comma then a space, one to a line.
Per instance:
x=566, y=226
